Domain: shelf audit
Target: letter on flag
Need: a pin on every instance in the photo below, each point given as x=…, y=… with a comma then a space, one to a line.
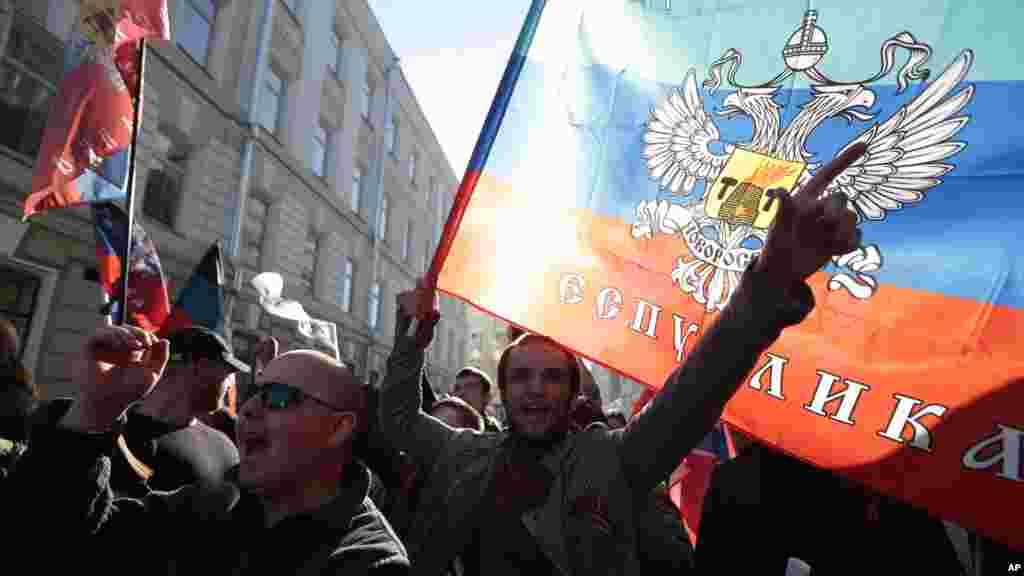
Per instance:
x=148, y=303
x=91, y=117
x=618, y=192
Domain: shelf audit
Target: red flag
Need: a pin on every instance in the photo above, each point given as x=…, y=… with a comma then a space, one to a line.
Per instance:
x=688, y=486
x=92, y=115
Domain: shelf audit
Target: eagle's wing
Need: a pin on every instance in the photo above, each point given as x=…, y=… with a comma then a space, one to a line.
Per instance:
x=906, y=153
x=676, y=142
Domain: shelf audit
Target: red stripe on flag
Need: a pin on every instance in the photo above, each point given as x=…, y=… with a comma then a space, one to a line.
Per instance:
x=90, y=118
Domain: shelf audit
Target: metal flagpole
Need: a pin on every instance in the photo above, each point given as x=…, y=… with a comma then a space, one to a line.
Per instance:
x=122, y=318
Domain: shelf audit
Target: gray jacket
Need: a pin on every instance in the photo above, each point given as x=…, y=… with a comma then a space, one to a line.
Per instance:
x=594, y=514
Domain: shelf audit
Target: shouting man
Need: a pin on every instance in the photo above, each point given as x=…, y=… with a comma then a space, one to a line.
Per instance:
x=549, y=502
x=297, y=504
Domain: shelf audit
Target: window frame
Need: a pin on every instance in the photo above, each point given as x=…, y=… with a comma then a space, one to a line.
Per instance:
x=281, y=98
x=347, y=287
x=355, y=195
x=173, y=173
x=324, y=149
x=211, y=20
x=373, y=307
x=407, y=241
x=366, y=101
x=383, y=217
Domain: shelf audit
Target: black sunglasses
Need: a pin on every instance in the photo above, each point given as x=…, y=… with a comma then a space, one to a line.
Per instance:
x=280, y=396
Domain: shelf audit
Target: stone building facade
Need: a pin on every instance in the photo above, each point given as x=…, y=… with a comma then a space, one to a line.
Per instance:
x=313, y=135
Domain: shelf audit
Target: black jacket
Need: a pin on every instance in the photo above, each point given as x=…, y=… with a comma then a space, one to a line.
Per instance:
x=63, y=481
x=764, y=507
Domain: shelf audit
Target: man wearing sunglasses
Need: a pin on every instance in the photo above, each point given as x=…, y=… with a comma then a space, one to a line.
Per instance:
x=297, y=503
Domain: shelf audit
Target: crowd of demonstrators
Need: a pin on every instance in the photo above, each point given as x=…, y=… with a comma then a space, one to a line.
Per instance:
x=297, y=503
x=319, y=473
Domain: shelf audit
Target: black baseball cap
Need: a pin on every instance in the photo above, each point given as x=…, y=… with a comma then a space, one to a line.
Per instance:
x=197, y=342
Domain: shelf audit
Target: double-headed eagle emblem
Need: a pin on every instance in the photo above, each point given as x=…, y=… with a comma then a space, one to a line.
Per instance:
x=908, y=155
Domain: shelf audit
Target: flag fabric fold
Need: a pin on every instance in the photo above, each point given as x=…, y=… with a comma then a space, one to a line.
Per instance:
x=201, y=302
x=641, y=141
x=148, y=302
x=91, y=118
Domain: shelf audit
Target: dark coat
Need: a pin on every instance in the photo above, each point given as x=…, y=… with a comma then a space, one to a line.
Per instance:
x=764, y=507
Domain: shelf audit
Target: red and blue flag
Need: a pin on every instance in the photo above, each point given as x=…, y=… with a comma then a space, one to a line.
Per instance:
x=148, y=302
x=640, y=137
x=83, y=155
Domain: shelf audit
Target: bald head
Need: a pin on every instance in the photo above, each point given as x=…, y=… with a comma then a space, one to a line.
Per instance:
x=320, y=376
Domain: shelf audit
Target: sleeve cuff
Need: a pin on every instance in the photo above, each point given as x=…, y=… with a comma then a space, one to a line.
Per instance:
x=762, y=305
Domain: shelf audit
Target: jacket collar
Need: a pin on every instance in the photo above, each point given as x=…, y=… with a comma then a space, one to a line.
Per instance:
x=332, y=516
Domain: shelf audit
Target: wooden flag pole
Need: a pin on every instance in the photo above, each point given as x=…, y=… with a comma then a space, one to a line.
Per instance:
x=122, y=318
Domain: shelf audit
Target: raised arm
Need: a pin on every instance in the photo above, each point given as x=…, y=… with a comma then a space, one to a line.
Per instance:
x=808, y=232
x=402, y=421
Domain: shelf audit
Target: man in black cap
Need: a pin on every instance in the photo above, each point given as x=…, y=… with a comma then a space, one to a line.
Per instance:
x=165, y=431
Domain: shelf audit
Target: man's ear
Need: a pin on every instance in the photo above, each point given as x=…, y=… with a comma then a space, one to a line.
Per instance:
x=343, y=428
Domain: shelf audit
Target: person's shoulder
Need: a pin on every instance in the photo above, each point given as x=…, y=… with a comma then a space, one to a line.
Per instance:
x=370, y=545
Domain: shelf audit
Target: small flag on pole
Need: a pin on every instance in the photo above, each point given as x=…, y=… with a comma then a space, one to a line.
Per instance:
x=148, y=303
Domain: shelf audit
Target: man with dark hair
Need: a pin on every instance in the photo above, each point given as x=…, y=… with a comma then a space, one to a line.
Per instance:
x=549, y=502
x=166, y=431
x=475, y=387
x=297, y=504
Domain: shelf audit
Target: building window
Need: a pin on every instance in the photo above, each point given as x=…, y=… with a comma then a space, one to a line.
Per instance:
x=668, y=5
x=382, y=218
x=373, y=312
x=407, y=242
x=367, y=97
x=391, y=134
x=293, y=7
x=19, y=295
x=345, y=283
x=336, y=66
x=194, y=27
x=319, y=160
x=270, y=104
x=163, y=194
x=412, y=168
x=309, y=254
x=430, y=190
x=357, y=189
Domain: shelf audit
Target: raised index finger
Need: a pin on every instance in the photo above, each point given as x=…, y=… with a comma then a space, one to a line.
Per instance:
x=823, y=177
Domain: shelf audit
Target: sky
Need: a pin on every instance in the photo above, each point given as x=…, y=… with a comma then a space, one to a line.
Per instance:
x=453, y=53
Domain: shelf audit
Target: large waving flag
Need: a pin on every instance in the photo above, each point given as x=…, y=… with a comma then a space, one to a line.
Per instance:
x=83, y=157
x=201, y=302
x=616, y=195
x=148, y=303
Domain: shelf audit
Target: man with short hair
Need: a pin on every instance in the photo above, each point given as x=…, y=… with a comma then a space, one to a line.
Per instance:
x=166, y=431
x=476, y=388
x=297, y=503
x=457, y=413
x=549, y=502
